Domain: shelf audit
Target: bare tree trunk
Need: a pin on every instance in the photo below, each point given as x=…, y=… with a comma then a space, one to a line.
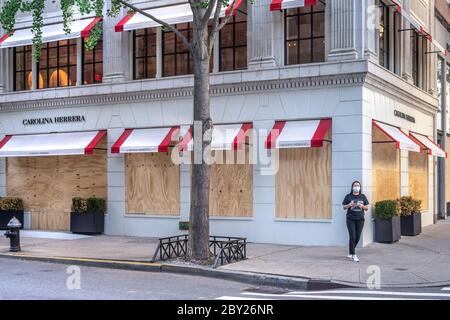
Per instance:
x=199, y=210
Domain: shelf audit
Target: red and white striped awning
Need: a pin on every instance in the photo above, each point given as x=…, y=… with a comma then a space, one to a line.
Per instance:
x=146, y=140
x=172, y=14
x=277, y=5
x=51, y=32
x=224, y=137
x=429, y=145
x=52, y=144
x=402, y=141
x=420, y=28
x=298, y=134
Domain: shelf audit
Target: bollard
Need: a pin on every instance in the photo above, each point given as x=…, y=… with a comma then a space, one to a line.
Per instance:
x=14, y=234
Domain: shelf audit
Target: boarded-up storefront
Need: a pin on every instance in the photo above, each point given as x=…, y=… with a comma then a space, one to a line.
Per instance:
x=69, y=165
x=303, y=181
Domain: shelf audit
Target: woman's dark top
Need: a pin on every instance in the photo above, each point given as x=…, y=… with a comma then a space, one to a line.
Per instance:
x=355, y=213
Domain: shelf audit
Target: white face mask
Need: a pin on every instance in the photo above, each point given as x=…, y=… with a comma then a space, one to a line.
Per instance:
x=356, y=189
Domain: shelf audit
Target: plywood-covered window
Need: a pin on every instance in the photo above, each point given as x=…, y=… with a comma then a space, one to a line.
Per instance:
x=303, y=181
x=152, y=184
x=47, y=184
x=418, y=177
x=385, y=167
x=231, y=183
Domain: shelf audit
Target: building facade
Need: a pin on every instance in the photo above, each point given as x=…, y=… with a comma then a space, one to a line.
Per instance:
x=362, y=74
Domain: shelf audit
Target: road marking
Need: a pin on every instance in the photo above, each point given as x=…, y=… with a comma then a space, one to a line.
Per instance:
x=446, y=289
x=375, y=292
x=325, y=297
x=238, y=298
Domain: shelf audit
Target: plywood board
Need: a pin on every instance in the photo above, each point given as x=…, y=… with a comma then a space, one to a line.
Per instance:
x=48, y=184
x=385, y=168
x=231, y=185
x=303, y=183
x=152, y=184
x=418, y=177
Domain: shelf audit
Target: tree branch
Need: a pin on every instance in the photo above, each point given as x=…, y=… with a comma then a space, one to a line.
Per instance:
x=218, y=26
x=165, y=24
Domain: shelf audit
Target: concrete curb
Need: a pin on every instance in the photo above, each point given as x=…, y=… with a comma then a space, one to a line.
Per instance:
x=253, y=278
x=259, y=279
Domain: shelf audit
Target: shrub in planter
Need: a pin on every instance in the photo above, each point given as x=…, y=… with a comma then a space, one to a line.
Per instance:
x=9, y=208
x=410, y=216
x=387, y=221
x=88, y=215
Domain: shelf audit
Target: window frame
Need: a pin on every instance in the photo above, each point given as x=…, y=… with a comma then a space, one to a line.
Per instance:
x=25, y=50
x=311, y=13
x=93, y=63
x=146, y=56
x=189, y=31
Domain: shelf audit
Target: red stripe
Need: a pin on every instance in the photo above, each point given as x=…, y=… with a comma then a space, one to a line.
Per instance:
x=4, y=37
x=123, y=22
x=322, y=130
x=275, y=5
x=236, y=7
x=399, y=7
x=240, y=137
x=4, y=141
x=86, y=32
x=164, y=146
x=90, y=147
x=310, y=3
x=183, y=145
x=274, y=134
x=123, y=137
x=434, y=143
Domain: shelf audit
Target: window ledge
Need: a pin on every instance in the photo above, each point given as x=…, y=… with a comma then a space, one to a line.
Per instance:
x=305, y=220
x=151, y=216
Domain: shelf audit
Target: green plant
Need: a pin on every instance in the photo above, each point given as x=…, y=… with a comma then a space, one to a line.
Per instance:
x=184, y=225
x=408, y=205
x=79, y=205
x=13, y=204
x=386, y=209
x=97, y=205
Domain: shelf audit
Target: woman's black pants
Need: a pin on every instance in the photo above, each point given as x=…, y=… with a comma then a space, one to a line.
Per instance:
x=355, y=228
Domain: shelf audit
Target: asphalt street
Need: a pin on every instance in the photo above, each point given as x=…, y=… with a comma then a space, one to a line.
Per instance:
x=37, y=280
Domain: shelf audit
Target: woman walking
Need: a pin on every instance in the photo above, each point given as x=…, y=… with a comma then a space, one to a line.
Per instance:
x=356, y=204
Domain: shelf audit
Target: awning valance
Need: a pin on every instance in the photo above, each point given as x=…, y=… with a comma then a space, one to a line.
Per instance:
x=420, y=28
x=403, y=142
x=172, y=14
x=52, y=144
x=146, y=140
x=224, y=137
x=298, y=134
x=428, y=144
x=52, y=32
x=277, y=5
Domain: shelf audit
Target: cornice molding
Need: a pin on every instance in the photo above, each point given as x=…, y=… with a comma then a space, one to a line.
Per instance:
x=185, y=92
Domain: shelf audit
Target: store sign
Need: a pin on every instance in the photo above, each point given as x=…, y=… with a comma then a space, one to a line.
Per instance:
x=405, y=116
x=53, y=120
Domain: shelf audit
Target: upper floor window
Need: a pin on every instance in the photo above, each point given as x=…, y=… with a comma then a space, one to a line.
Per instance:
x=58, y=64
x=419, y=59
x=176, y=59
x=144, y=53
x=305, y=34
x=233, y=42
x=92, y=62
x=23, y=61
x=389, y=37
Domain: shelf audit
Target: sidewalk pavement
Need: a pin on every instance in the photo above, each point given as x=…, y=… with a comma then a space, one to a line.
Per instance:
x=412, y=262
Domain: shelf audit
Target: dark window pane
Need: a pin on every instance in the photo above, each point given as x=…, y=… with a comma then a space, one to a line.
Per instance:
x=318, y=50
x=88, y=74
x=151, y=67
x=28, y=80
x=53, y=81
x=319, y=25
x=226, y=36
x=19, y=81
x=139, y=47
x=98, y=77
x=241, y=58
x=182, y=64
x=292, y=52
x=291, y=28
x=169, y=65
x=53, y=57
x=19, y=61
x=305, y=51
x=169, y=43
x=42, y=83
x=240, y=34
x=305, y=26
x=139, y=68
x=226, y=59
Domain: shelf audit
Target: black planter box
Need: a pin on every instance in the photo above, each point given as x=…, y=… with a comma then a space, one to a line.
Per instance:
x=411, y=225
x=387, y=231
x=89, y=222
x=6, y=215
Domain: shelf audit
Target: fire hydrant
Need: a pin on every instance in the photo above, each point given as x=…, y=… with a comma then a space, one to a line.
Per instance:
x=13, y=234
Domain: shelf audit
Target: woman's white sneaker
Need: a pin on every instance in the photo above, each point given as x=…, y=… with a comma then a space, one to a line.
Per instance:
x=355, y=258
x=350, y=257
